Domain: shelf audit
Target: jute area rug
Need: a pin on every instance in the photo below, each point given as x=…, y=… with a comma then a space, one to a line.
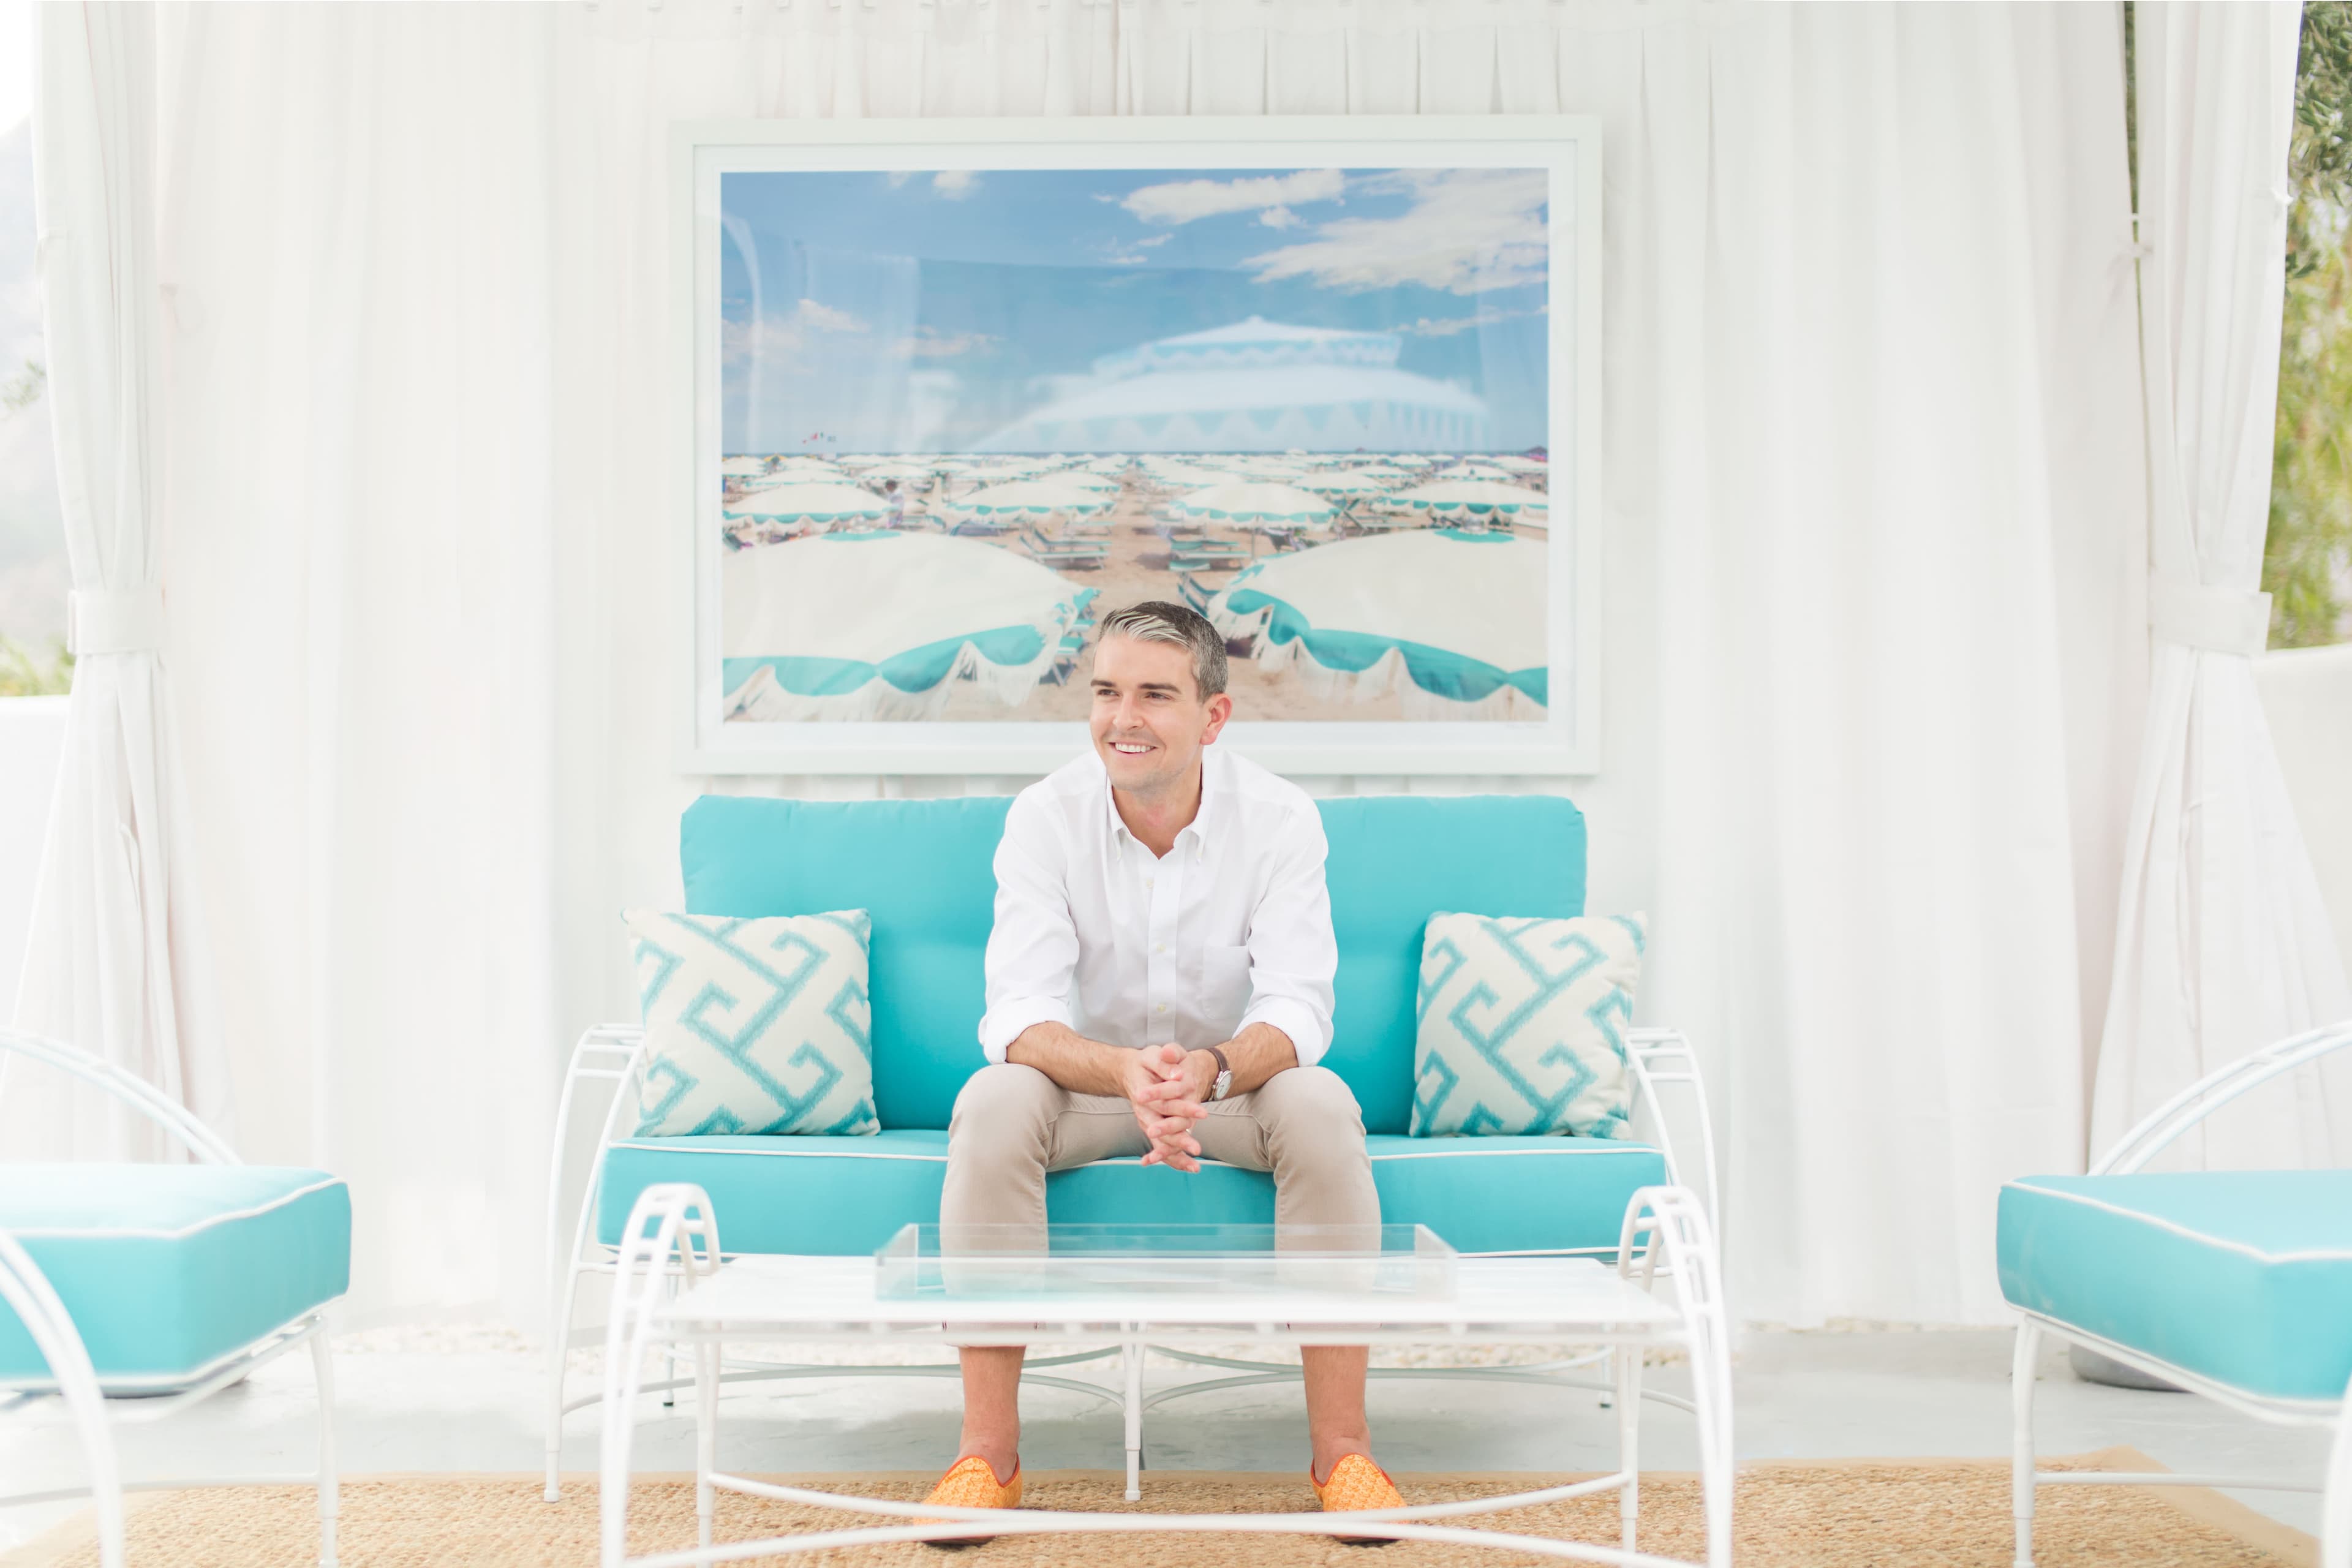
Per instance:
x=1867, y=1514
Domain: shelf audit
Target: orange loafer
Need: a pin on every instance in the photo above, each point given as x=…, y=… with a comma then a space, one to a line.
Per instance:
x=1357, y=1483
x=970, y=1483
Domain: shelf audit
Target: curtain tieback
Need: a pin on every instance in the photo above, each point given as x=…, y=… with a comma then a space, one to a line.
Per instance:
x=2217, y=620
x=128, y=622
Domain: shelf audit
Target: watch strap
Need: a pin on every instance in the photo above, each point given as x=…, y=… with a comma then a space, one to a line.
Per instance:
x=1224, y=1074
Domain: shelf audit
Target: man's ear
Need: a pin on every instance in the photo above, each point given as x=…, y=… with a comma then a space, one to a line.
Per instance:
x=1220, y=708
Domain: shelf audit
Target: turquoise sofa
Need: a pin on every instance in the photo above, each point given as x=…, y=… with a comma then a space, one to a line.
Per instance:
x=923, y=867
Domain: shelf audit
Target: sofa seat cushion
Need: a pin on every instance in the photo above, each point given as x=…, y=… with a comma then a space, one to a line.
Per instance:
x=848, y=1195
x=2243, y=1277
x=169, y=1271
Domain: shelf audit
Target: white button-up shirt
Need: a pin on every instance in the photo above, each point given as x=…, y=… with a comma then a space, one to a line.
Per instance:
x=1231, y=927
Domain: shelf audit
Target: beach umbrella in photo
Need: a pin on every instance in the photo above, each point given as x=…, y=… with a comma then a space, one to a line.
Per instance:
x=1405, y=459
x=1243, y=503
x=806, y=470
x=1343, y=485
x=882, y=625
x=1518, y=464
x=1189, y=476
x=1473, y=470
x=1470, y=497
x=901, y=469
x=1034, y=497
x=808, y=503
x=998, y=472
x=743, y=468
x=1453, y=621
x=1081, y=479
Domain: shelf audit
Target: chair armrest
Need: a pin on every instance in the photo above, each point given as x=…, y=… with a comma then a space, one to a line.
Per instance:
x=609, y=1053
x=2160, y=1127
x=126, y=1086
x=1662, y=1059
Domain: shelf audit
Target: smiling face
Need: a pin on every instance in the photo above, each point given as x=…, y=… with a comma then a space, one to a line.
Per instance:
x=1148, y=722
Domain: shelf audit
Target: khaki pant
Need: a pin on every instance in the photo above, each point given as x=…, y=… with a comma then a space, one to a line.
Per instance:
x=1013, y=1124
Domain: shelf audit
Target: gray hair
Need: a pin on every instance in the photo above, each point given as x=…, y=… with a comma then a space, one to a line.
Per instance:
x=1156, y=620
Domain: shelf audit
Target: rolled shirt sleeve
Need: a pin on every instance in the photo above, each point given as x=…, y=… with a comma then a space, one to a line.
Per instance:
x=1293, y=953
x=1032, y=949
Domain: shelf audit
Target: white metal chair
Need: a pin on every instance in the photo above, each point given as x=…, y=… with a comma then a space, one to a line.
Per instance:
x=73, y=1380
x=2130, y=1154
x=1661, y=1060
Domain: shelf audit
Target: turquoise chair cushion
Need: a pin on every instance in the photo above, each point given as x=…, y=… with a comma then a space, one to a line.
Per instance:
x=2243, y=1276
x=167, y=1271
x=924, y=868
x=848, y=1195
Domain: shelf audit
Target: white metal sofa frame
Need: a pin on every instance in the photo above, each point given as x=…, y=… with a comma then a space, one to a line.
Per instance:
x=615, y=1053
x=2132, y=1152
x=28, y=1293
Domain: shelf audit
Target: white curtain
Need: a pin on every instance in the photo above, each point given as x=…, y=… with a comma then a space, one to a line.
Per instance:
x=1875, y=553
x=116, y=960
x=2223, y=945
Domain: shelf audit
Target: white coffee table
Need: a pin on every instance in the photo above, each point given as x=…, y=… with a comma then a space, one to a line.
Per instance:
x=674, y=1293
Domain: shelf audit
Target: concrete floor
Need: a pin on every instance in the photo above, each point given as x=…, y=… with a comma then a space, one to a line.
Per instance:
x=1818, y=1395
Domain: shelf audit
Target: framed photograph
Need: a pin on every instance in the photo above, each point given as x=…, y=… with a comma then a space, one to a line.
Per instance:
x=948, y=391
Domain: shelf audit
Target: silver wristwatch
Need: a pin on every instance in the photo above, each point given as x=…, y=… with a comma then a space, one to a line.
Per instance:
x=1224, y=1080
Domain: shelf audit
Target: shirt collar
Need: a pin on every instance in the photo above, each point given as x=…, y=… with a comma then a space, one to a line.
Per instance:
x=1205, y=820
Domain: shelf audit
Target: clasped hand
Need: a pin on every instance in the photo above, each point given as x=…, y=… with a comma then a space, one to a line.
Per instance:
x=1168, y=1089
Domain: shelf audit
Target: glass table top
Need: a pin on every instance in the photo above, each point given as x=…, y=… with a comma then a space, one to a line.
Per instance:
x=981, y=1262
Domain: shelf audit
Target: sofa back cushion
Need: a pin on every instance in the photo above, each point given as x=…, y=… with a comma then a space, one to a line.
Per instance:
x=924, y=868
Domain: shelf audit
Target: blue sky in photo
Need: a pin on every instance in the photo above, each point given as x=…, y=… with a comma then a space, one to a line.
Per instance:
x=919, y=311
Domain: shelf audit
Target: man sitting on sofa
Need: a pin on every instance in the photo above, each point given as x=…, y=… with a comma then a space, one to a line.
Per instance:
x=1160, y=985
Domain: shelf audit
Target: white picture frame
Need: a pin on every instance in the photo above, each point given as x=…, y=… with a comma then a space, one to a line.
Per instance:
x=1566, y=741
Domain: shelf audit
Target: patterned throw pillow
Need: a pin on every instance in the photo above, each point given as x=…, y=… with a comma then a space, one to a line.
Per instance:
x=1522, y=1025
x=754, y=1025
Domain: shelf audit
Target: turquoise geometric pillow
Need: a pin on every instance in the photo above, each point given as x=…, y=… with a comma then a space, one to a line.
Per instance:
x=1522, y=1025
x=754, y=1025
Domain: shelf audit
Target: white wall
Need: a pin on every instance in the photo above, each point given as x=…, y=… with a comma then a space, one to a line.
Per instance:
x=2307, y=696
x=32, y=732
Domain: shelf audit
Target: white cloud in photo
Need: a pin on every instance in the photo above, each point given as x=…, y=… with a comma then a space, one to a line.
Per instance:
x=1118, y=254
x=771, y=341
x=1426, y=328
x=930, y=342
x=1183, y=201
x=1467, y=231
x=1447, y=326
x=1279, y=218
x=955, y=184
x=825, y=318
x=780, y=337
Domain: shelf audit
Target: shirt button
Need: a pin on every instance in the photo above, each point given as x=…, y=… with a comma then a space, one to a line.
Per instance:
x=1163, y=1007
x=1147, y=881
x=1160, y=947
